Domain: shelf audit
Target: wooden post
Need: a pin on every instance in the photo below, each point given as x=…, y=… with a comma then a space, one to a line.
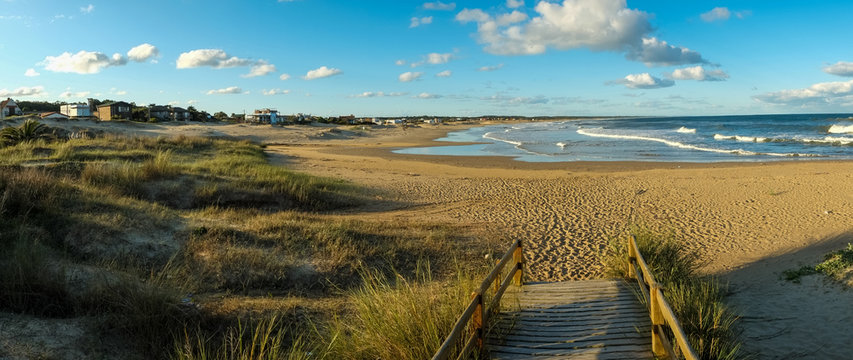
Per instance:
x=518, y=259
x=657, y=321
x=632, y=256
x=497, y=308
x=477, y=319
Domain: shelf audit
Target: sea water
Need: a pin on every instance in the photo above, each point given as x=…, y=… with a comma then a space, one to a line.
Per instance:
x=679, y=139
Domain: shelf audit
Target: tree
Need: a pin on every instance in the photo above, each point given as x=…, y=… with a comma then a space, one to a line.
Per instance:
x=221, y=116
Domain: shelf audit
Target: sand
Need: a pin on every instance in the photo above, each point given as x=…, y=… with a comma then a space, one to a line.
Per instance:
x=749, y=222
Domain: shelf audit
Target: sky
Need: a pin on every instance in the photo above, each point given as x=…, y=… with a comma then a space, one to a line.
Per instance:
x=448, y=58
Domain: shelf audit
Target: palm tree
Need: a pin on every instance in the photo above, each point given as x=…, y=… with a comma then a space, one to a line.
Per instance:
x=30, y=130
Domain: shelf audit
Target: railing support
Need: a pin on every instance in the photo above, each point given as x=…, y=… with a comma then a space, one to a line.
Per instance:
x=477, y=320
x=518, y=259
x=657, y=322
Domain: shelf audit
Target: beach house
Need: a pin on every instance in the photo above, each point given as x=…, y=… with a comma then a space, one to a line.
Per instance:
x=9, y=107
x=114, y=111
x=181, y=114
x=159, y=112
x=264, y=116
x=75, y=110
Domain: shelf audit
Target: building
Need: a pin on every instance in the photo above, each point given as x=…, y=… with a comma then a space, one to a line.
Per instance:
x=159, y=112
x=114, y=111
x=53, y=115
x=433, y=121
x=75, y=110
x=181, y=114
x=264, y=116
x=394, y=122
x=9, y=107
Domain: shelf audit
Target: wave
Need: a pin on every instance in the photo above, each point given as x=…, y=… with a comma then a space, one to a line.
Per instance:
x=562, y=145
x=491, y=136
x=690, y=147
x=685, y=130
x=741, y=138
x=840, y=129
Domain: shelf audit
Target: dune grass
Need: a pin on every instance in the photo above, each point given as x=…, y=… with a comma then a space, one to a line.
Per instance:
x=698, y=301
x=837, y=265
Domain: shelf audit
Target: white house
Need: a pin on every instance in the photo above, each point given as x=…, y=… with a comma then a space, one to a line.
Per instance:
x=393, y=121
x=9, y=107
x=75, y=110
x=264, y=116
x=53, y=115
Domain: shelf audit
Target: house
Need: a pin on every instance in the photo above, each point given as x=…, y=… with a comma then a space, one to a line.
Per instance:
x=181, y=114
x=159, y=112
x=433, y=121
x=75, y=110
x=53, y=115
x=9, y=107
x=394, y=122
x=114, y=111
x=264, y=116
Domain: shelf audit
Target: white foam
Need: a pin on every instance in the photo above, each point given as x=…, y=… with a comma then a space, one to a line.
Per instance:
x=562, y=145
x=825, y=140
x=685, y=130
x=688, y=146
x=830, y=140
x=741, y=138
x=841, y=129
x=491, y=136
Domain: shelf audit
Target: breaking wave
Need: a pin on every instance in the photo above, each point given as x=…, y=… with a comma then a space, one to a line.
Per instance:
x=685, y=130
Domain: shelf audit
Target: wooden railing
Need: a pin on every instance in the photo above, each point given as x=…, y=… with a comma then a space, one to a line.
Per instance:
x=661, y=313
x=477, y=313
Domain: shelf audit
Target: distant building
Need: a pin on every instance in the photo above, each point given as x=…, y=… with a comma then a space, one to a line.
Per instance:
x=53, y=115
x=9, y=107
x=159, y=112
x=114, y=111
x=433, y=121
x=264, y=116
x=75, y=110
x=394, y=122
x=181, y=114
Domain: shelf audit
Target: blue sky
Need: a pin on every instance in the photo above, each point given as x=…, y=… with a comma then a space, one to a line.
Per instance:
x=462, y=58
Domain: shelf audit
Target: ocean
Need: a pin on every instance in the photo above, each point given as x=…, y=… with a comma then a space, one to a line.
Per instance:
x=752, y=138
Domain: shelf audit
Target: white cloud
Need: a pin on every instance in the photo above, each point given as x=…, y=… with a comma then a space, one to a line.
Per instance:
x=409, y=76
x=321, y=72
x=438, y=5
x=598, y=25
x=643, y=81
x=284, y=76
x=519, y=100
x=698, y=73
x=491, y=68
x=424, y=95
x=228, y=90
x=400, y=62
x=87, y=9
x=377, y=94
x=512, y=4
x=76, y=95
x=828, y=93
x=840, y=68
x=143, y=52
x=215, y=58
x=191, y=102
x=437, y=59
x=444, y=74
x=83, y=62
x=715, y=14
x=121, y=93
x=23, y=91
x=272, y=92
x=31, y=73
x=416, y=21
x=260, y=69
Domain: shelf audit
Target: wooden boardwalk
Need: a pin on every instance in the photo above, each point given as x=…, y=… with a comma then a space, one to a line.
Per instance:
x=592, y=319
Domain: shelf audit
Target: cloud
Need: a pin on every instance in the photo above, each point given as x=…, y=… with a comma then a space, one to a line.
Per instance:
x=723, y=14
x=121, y=92
x=416, y=21
x=491, y=68
x=840, y=68
x=23, y=91
x=143, y=52
x=284, y=76
x=321, y=72
x=378, y=94
x=272, y=92
x=409, y=76
x=87, y=9
x=512, y=4
x=424, y=95
x=698, y=73
x=77, y=95
x=400, y=62
x=260, y=69
x=31, y=73
x=437, y=59
x=215, y=58
x=643, y=81
x=597, y=25
x=828, y=93
x=228, y=90
x=444, y=74
x=83, y=62
x=518, y=100
x=438, y=5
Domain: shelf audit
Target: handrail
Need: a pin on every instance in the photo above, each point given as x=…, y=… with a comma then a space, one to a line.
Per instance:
x=475, y=313
x=660, y=311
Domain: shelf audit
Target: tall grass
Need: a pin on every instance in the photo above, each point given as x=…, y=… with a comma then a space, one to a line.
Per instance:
x=698, y=301
x=266, y=340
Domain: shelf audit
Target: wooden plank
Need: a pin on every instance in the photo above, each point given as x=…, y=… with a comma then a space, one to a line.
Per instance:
x=533, y=331
x=573, y=337
x=586, y=351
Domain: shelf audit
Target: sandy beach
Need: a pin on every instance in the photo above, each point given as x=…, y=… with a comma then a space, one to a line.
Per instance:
x=749, y=221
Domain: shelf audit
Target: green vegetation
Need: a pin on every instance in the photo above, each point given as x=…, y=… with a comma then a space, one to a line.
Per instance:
x=29, y=131
x=837, y=265
x=698, y=301
x=194, y=248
